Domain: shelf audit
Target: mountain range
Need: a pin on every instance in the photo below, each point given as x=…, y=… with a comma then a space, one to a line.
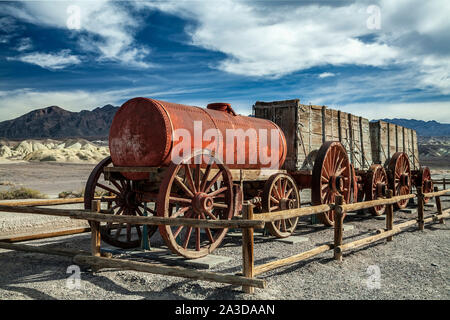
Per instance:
x=55, y=122
x=423, y=128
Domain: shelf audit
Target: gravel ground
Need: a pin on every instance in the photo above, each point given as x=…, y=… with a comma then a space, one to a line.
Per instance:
x=414, y=266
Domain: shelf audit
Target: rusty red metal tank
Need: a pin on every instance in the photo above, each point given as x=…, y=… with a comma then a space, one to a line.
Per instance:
x=142, y=134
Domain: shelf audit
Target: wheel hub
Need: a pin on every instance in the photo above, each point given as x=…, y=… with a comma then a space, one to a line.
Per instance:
x=404, y=180
x=202, y=202
x=287, y=204
x=381, y=189
x=337, y=183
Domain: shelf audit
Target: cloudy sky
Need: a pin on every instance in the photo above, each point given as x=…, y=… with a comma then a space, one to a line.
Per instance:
x=373, y=58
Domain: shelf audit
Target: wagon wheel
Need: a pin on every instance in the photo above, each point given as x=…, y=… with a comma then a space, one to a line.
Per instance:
x=354, y=186
x=375, y=187
x=121, y=200
x=281, y=193
x=200, y=187
x=400, y=177
x=423, y=180
x=331, y=176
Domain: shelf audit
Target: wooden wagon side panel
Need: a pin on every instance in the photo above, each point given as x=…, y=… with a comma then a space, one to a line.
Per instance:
x=400, y=147
x=392, y=140
x=344, y=130
x=379, y=139
x=366, y=144
x=331, y=124
x=304, y=135
x=284, y=114
x=408, y=146
x=356, y=152
x=416, y=164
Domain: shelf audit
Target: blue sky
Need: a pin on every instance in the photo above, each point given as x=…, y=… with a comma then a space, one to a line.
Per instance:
x=373, y=58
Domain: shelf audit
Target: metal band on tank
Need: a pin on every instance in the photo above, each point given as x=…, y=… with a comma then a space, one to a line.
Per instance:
x=168, y=123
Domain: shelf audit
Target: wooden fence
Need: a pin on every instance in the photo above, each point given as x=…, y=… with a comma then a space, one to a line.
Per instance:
x=250, y=270
x=98, y=259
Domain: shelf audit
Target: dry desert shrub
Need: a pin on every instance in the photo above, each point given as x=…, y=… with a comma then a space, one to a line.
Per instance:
x=21, y=193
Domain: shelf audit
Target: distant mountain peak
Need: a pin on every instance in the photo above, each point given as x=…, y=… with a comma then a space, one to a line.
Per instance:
x=56, y=122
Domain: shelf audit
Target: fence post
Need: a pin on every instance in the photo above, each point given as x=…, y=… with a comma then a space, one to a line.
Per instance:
x=338, y=227
x=389, y=214
x=420, y=208
x=95, y=230
x=439, y=205
x=444, y=185
x=247, y=249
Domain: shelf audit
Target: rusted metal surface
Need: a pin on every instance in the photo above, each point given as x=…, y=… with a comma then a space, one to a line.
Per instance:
x=142, y=131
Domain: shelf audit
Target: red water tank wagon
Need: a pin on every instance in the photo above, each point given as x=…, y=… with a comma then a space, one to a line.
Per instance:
x=141, y=133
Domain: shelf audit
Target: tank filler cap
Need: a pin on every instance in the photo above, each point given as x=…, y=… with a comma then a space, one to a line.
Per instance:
x=221, y=106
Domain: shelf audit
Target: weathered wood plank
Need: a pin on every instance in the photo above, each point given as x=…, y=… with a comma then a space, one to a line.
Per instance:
x=138, y=220
x=102, y=263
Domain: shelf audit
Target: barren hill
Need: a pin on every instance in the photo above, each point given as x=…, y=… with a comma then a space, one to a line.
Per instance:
x=56, y=123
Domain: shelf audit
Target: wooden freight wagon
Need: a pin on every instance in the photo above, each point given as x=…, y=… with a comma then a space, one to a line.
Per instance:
x=379, y=153
x=329, y=151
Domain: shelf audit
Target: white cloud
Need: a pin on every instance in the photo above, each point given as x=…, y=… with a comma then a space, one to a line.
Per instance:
x=14, y=103
x=107, y=28
x=326, y=75
x=24, y=44
x=266, y=40
x=50, y=61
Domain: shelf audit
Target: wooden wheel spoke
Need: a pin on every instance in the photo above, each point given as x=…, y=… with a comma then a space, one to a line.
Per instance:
x=138, y=230
x=116, y=185
x=272, y=198
x=107, y=188
x=128, y=232
x=188, y=174
x=178, y=230
x=211, y=215
x=205, y=177
x=217, y=192
x=197, y=177
x=118, y=231
x=180, y=182
x=220, y=205
x=197, y=239
x=187, y=237
x=213, y=180
x=182, y=200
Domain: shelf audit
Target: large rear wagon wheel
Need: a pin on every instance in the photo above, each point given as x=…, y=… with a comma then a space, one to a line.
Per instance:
x=375, y=187
x=121, y=200
x=424, y=180
x=400, y=177
x=200, y=187
x=281, y=193
x=331, y=177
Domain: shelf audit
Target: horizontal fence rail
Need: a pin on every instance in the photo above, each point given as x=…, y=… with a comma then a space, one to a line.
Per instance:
x=138, y=220
x=248, y=223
